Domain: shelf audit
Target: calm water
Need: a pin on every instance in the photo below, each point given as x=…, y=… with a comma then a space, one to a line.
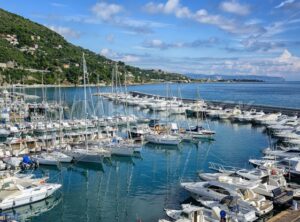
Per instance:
x=285, y=94
x=127, y=189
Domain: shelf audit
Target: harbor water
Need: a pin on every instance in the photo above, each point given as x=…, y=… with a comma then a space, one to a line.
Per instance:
x=139, y=188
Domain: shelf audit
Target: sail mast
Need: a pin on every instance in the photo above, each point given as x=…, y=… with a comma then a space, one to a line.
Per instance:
x=85, y=98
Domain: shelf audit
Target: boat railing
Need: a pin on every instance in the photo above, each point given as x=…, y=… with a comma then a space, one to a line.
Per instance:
x=222, y=168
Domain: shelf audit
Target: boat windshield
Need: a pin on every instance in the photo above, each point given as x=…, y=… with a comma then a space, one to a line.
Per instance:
x=218, y=189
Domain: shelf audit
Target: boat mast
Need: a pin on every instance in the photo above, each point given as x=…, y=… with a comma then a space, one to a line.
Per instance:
x=85, y=106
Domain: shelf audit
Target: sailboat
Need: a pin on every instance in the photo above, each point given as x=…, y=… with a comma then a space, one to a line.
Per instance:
x=55, y=157
x=90, y=155
x=164, y=137
x=52, y=158
x=199, y=132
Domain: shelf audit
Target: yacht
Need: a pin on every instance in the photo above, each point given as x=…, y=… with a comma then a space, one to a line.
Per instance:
x=267, y=118
x=282, y=152
x=198, y=214
x=17, y=192
x=290, y=165
x=215, y=190
x=261, y=185
x=230, y=205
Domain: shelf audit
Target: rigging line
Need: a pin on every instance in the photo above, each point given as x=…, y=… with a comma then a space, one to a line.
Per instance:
x=185, y=164
x=107, y=184
x=206, y=154
x=117, y=193
x=99, y=200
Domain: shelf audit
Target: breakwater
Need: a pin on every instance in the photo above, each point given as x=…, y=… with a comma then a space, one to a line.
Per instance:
x=228, y=104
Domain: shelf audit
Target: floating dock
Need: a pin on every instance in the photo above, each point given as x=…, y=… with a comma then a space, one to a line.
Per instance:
x=243, y=106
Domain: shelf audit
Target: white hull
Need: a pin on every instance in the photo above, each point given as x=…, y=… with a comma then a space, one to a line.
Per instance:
x=29, y=196
x=163, y=140
x=81, y=155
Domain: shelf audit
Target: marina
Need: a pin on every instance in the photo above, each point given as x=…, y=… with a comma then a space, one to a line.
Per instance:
x=165, y=151
x=149, y=111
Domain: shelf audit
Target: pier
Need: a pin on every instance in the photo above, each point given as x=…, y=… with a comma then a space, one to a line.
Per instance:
x=226, y=104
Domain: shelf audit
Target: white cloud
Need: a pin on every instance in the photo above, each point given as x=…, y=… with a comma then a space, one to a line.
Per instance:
x=159, y=44
x=128, y=58
x=285, y=3
x=105, y=11
x=65, y=31
x=291, y=63
x=202, y=16
x=58, y=5
x=170, y=7
x=285, y=65
x=235, y=8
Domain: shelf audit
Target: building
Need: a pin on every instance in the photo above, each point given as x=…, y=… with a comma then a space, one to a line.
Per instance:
x=3, y=65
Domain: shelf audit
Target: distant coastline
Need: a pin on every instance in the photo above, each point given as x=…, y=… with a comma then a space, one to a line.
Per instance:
x=130, y=84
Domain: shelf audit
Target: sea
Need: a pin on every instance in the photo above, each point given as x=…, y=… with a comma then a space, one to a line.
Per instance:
x=140, y=188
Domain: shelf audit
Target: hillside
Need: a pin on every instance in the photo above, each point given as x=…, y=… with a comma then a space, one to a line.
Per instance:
x=30, y=52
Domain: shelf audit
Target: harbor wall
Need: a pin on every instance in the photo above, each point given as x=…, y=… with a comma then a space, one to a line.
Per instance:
x=230, y=104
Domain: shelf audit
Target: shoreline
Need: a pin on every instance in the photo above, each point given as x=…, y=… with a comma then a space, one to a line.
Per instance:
x=132, y=84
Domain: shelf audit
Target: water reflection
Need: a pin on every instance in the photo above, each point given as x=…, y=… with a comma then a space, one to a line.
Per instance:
x=26, y=212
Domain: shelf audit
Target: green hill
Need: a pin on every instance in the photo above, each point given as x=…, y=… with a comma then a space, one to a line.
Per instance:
x=30, y=52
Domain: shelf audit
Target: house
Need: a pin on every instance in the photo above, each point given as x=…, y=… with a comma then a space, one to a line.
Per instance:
x=66, y=66
x=10, y=64
x=3, y=65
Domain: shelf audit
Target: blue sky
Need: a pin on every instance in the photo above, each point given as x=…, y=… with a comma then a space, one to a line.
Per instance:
x=258, y=37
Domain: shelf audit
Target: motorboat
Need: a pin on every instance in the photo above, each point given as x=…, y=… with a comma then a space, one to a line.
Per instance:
x=16, y=192
x=242, y=178
x=290, y=165
x=282, y=152
x=215, y=190
x=198, y=214
x=230, y=205
x=267, y=118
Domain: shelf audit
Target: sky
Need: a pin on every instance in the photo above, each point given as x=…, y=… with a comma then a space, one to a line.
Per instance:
x=257, y=37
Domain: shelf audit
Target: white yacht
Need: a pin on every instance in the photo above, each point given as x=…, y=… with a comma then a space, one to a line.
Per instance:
x=260, y=185
x=290, y=165
x=230, y=205
x=193, y=213
x=283, y=152
x=17, y=192
x=215, y=190
x=267, y=118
